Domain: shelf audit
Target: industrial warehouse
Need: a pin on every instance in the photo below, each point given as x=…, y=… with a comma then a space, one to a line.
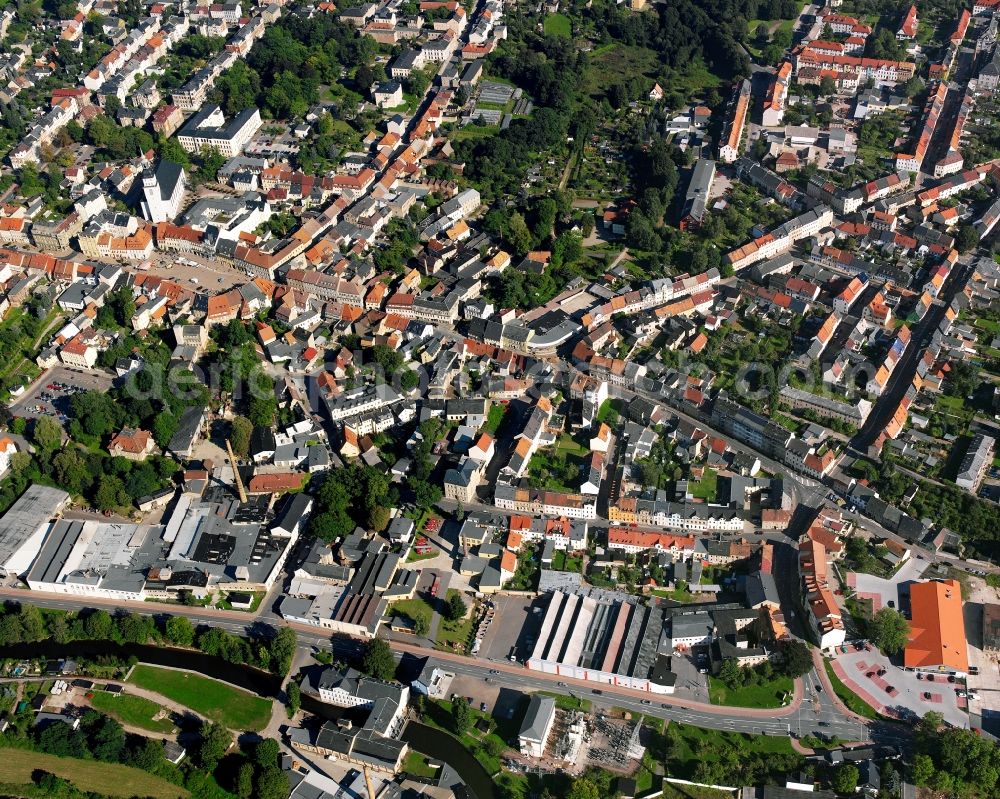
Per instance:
x=605, y=637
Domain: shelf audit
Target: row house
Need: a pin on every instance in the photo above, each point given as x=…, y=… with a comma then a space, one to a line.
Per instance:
x=732, y=137
x=782, y=238
x=913, y=160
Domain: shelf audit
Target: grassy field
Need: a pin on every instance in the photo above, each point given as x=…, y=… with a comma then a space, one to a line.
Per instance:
x=229, y=706
x=135, y=711
x=417, y=765
x=769, y=695
x=847, y=696
x=706, y=487
x=558, y=25
x=109, y=779
x=564, y=702
x=412, y=609
x=608, y=64
x=455, y=633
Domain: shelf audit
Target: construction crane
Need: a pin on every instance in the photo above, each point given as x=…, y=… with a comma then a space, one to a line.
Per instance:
x=236, y=472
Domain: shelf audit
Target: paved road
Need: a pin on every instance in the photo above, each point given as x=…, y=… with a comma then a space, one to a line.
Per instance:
x=902, y=375
x=799, y=717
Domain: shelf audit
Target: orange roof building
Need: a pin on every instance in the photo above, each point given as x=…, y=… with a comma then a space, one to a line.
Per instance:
x=937, y=628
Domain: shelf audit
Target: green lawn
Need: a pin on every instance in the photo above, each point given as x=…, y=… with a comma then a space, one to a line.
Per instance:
x=495, y=418
x=568, y=444
x=558, y=25
x=676, y=594
x=412, y=609
x=564, y=702
x=232, y=707
x=135, y=711
x=107, y=779
x=473, y=132
x=706, y=487
x=417, y=765
x=561, y=562
x=847, y=696
x=415, y=556
x=768, y=695
x=452, y=634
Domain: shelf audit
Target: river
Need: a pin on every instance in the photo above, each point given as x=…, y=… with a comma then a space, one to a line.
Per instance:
x=260, y=682
x=429, y=741
x=440, y=745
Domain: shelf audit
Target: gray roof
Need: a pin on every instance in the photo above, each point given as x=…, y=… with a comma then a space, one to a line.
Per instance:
x=540, y=711
x=167, y=175
x=36, y=506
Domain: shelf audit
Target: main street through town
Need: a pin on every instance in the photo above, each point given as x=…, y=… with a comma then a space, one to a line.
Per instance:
x=812, y=711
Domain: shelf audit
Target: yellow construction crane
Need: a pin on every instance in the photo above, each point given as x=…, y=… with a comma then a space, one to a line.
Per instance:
x=236, y=472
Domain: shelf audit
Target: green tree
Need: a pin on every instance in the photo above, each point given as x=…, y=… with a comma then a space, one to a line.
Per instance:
x=923, y=770
x=378, y=661
x=164, y=427
x=180, y=631
x=889, y=630
x=730, y=673
x=96, y=412
x=240, y=430
x=796, y=659
x=211, y=162
x=10, y=629
x=32, y=624
x=408, y=379
x=169, y=149
x=46, y=433
x=518, y=236
x=461, y=715
x=134, y=629
x=146, y=755
x=966, y=237
x=455, y=608
x=110, y=493
x=845, y=779
x=271, y=783
x=70, y=471
x=212, y=746
x=294, y=694
x=378, y=518
x=387, y=358
x=63, y=741
x=99, y=626
x=244, y=781
x=421, y=624
x=583, y=788
x=106, y=738
x=282, y=650
x=265, y=753
x=262, y=408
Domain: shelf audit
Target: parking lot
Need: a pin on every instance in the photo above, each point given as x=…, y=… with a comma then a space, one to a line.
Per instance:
x=50, y=395
x=887, y=592
x=516, y=621
x=986, y=684
x=900, y=693
x=212, y=276
x=691, y=684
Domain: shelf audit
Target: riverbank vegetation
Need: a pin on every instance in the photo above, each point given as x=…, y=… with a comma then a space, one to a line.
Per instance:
x=266, y=649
